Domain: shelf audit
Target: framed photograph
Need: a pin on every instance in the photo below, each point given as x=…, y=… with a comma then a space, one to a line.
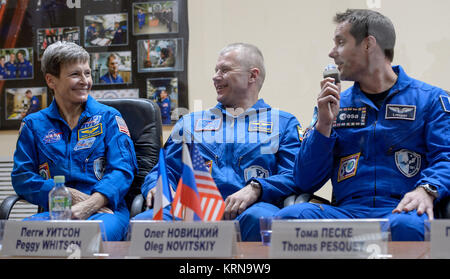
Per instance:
x=115, y=94
x=158, y=55
x=164, y=92
x=20, y=102
x=106, y=30
x=155, y=17
x=16, y=63
x=111, y=67
x=48, y=36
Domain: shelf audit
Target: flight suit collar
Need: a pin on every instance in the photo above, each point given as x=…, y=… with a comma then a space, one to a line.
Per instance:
x=403, y=81
x=260, y=104
x=90, y=109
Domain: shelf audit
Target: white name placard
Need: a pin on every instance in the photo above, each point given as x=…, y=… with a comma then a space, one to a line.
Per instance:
x=440, y=238
x=182, y=239
x=71, y=239
x=362, y=238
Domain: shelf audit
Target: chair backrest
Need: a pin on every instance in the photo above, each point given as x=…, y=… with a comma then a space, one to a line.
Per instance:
x=143, y=119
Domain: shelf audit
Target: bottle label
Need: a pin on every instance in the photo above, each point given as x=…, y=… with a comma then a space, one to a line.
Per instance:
x=59, y=203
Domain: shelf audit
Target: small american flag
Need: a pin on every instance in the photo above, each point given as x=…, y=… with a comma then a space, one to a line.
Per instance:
x=211, y=201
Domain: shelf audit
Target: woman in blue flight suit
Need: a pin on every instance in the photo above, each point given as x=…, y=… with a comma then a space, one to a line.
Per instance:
x=79, y=138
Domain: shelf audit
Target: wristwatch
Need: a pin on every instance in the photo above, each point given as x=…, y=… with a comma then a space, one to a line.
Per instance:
x=256, y=185
x=430, y=189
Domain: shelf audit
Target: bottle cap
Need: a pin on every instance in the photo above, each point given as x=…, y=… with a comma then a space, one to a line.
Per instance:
x=59, y=179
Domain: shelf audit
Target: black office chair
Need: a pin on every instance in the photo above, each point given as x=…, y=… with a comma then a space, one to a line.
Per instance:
x=143, y=119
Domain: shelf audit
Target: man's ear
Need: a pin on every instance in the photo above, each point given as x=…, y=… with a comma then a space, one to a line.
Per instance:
x=254, y=73
x=371, y=43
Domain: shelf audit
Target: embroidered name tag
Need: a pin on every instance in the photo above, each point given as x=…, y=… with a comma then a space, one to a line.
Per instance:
x=84, y=144
x=260, y=126
x=350, y=117
x=404, y=112
x=348, y=166
x=208, y=124
x=89, y=132
x=445, y=101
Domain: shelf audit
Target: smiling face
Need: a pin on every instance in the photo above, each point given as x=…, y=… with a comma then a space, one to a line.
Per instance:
x=351, y=59
x=231, y=79
x=73, y=84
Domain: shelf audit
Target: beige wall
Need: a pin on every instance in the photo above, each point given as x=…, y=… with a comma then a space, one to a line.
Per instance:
x=295, y=37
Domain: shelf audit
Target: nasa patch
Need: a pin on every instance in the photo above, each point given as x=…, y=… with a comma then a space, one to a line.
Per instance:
x=348, y=166
x=404, y=112
x=52, y=136
x=408, y=162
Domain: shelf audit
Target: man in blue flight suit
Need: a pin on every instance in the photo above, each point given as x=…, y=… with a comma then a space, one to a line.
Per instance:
x=112, y=76
x=164, y=107
x=120, y=34
x=141, y=18
x=249, y=146
x=92, y=149
x=24, y=67
x=35, y=104
x=384, y=142
x=11, y=66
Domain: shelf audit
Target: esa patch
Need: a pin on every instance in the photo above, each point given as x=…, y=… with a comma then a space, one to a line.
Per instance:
x=404, y=112
x=123, y=128
x=44, y=171
x=260, y=126
x=350, y=117
x=84, y=144
x=99, y=167
x=90, y=132
x=52, y=136
x=408, y=162
x=207, y=124
x=348, y=166
x=255, y=172
x=445, y=101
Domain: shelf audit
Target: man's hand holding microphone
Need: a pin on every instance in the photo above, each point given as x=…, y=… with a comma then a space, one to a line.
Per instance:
x=328, y=100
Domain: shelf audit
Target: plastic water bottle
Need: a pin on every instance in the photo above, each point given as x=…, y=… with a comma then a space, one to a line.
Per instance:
x=60, y=200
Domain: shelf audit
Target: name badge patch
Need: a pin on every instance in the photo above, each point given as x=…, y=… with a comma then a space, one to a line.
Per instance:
x=348, y=166
x=207, y=124
x=89, y=132
x=350, y=117
x=445, y=101
x=260, y=126
x=84, y=144
x=403, y=112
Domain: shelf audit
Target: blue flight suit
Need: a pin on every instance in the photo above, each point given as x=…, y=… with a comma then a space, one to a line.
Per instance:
x=259, y=144
x=141, y=19
x=375, y=156
x=96, y=156
x=164, y=107
x=24, y=69
x=35, y=105
x=11, y=70
x=109, y=79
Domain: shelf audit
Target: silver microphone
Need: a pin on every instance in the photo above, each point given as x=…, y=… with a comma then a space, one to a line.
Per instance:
x=332, y=71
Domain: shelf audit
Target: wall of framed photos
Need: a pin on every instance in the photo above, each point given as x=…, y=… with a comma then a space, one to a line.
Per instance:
x=138, y=49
